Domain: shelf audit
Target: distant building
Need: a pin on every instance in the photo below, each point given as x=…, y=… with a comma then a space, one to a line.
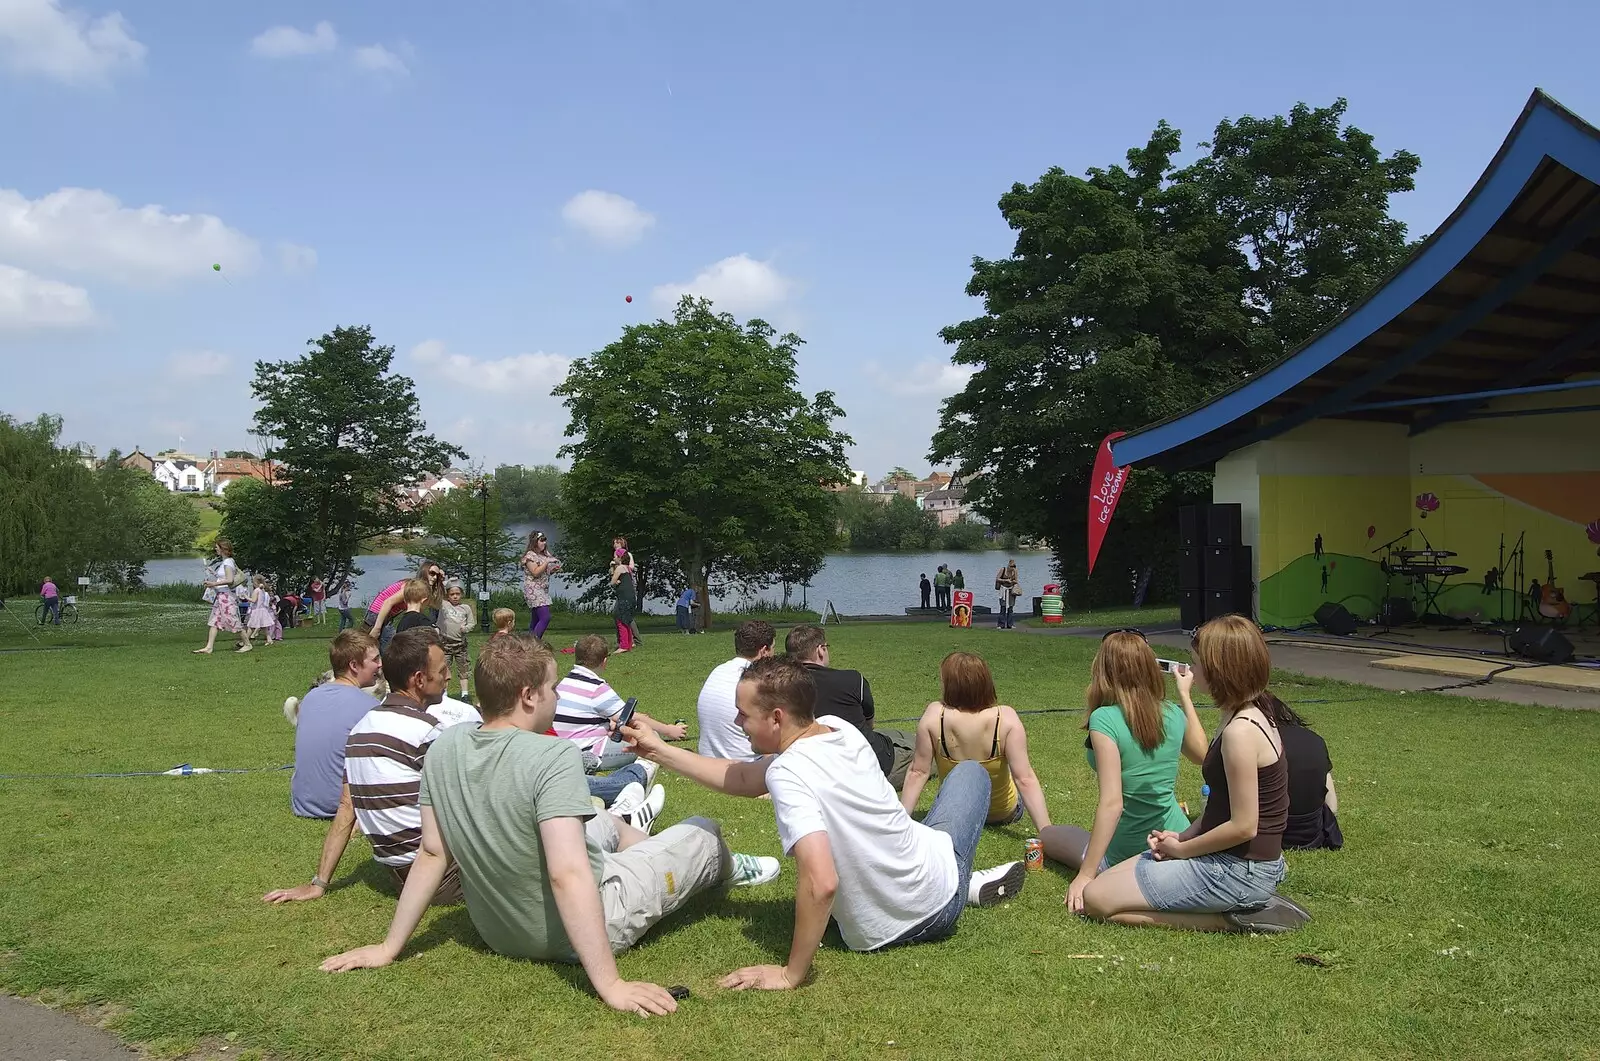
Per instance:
x=138, y=459
x=220, y=471
x=949, y=503
x=180, y=475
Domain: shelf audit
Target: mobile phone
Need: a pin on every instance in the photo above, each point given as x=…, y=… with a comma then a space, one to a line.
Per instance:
x=1168, y=665
x=626, y=714
x=679, y=992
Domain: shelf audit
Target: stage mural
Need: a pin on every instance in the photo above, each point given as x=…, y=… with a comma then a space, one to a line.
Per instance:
x=1481, y=548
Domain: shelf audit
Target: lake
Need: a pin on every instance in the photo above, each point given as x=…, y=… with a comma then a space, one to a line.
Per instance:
x=855, y=583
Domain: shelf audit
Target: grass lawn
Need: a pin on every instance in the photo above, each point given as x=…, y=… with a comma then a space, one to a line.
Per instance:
x=1459, y=921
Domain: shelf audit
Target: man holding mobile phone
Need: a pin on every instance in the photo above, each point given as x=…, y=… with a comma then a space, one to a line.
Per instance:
x=545, y=876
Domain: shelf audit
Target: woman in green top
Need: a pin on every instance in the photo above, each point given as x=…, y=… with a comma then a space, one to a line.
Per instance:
x=1135, y=737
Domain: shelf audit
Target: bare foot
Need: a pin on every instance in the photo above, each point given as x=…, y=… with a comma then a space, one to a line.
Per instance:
x=202, y=652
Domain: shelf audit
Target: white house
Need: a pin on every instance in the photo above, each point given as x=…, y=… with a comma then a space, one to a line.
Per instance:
x=180, y=475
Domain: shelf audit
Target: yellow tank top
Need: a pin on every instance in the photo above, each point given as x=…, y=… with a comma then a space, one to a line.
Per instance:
x=1002, y=790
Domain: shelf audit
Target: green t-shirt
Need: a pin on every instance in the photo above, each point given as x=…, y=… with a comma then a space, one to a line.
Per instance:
x=1149, y=779
x=489, y=790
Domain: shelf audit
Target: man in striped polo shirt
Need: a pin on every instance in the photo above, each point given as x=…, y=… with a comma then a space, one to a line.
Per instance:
x=586, y=704
x=383, y=765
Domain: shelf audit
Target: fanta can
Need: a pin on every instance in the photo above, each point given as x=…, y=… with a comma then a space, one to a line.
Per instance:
x=1033, y=853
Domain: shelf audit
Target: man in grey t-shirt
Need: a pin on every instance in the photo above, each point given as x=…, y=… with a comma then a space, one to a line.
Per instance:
x=326, y=717
x=545, y=876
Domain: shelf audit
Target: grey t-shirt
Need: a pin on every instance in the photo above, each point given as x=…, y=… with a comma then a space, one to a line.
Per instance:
x=490, y=790
x=326, y=716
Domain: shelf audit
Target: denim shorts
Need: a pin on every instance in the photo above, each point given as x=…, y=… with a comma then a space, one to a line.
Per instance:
x=1210, y=884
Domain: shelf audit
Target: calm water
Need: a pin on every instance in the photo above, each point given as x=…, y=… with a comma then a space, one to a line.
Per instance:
x=856, y=583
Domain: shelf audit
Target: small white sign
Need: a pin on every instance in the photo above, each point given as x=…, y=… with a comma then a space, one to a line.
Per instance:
x=483, y=594
x=83, y=580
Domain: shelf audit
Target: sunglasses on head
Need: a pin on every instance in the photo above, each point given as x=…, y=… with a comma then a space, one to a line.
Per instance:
x=1125, y=630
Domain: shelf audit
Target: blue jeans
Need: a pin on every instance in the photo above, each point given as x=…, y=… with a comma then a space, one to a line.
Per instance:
x=53, y=606
x=345, y=622
x=609, y=787
x=958, y=811
x=386, y=634
x=1008, y=612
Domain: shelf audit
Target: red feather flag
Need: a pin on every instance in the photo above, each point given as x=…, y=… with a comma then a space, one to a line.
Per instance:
x=1105, y=489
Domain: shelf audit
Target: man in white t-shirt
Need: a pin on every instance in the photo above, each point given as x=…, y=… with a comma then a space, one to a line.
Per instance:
x=383, y=765
x=859, y=857
x=720, y=735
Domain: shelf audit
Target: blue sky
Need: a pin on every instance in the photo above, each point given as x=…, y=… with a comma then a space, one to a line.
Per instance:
x=484, y=183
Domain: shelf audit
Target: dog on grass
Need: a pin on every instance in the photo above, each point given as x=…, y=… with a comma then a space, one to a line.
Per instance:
x=291, y=705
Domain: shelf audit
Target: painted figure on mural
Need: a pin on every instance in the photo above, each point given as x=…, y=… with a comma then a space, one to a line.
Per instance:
x=1324, y=580
x=1491, y=580
x=1317, y=547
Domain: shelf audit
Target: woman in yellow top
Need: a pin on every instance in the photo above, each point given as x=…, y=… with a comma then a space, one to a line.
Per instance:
x=969, y=722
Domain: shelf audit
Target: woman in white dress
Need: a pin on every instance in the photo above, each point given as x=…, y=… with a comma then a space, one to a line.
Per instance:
x=224, y=611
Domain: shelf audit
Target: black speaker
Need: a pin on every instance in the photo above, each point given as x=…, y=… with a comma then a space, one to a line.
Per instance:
x=1191, y=611
x=1541, y=643
x=1224, y=523
x=1191, y=526
x=1189, y=568
x=1336, y=619
x=1220, y=566
x=1397, y=611
x=1220, y=602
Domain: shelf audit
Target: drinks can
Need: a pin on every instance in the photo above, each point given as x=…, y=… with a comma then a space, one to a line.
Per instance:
x=1183, y=805
x=1033, y=855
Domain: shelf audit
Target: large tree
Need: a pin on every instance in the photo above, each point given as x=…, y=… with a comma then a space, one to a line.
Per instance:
x=692, y=439
x=348, y=438
x=1136, y=292
x=528, y=493
x=61, y=519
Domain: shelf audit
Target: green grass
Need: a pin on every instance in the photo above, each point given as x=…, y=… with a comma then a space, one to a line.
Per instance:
x=1150, y=617
x=1459, y=922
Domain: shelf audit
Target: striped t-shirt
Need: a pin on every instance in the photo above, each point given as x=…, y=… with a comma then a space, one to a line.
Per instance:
x=383, y=765
x=584, y=704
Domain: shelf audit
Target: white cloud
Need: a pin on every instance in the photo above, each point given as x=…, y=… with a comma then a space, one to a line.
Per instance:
x=518, y=375
x=199, y=363
x=286, y=42
x=607, y=217
x=925, y=379
x=737, y=285
x=90, y=231
x=297, y=258
x=29, y=302
x=41, y=37
x=376, y=59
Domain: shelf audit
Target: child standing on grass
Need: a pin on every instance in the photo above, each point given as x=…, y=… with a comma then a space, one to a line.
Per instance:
x=415, y=595
x=455, y=619
x=345, y=622
x=261, y=617
x=503, y=619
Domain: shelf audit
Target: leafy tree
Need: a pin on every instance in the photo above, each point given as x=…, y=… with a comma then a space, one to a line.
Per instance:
x=139, y=518
x=885, y=526
x=528, y=494
x=47, y=517
x=349, y=437
x=460, y=528
x=693, y=441
x=1137, y=291
x=964, y=535
x=900, y=475
x=240, y=454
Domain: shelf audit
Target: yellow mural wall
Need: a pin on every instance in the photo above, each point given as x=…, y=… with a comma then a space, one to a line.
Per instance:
x=1494, y=479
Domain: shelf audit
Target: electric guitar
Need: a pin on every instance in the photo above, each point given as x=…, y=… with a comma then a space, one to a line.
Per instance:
x=1552, y=599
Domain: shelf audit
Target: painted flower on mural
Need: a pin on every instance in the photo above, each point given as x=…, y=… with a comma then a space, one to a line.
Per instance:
x=1427, y=503
x=1593, y=531
x=1371, y=530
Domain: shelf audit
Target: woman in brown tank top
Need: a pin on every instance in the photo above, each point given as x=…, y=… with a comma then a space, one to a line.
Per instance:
x=1222, y=873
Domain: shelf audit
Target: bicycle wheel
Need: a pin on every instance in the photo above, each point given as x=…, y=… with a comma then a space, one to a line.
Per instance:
x=69, y=613
x=41, y=613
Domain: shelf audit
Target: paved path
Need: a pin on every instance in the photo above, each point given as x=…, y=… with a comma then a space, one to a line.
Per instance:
x=31, y=1032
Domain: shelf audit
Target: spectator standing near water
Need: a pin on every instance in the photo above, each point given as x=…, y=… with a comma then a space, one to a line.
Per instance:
x=1006, y=583
x=345, y=622
x=319, y=601
x=925, y=588
x=685, y=609
x=537, y=566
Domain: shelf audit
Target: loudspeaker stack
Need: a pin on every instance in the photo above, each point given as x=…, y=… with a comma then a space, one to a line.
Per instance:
x=1213, y=564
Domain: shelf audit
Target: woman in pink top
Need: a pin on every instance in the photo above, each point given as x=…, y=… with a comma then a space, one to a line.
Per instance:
x=388, y=604
x=52, y=599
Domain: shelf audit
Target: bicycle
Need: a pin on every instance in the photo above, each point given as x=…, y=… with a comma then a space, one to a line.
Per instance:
x=69, y=611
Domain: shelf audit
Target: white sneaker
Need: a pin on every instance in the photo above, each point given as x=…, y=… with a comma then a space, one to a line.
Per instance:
x=990, y=886
x=643, y=816
x=628, y=800
x=753, y=869
x=650, y=769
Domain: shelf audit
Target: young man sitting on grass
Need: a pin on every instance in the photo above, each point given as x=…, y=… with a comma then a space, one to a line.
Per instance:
x=323, y=722
x=545, y=876
x=383, y=764
x=859, y=857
